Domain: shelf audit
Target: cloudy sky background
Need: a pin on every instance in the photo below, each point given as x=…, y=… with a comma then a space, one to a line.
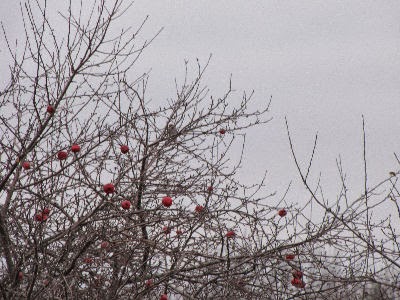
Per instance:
x=325, y=63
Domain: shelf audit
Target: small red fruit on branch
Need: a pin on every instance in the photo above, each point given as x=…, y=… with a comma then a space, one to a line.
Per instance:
x=50, y=109
x=109, y=188
x=290, y=256
x=297, y=282
x=164, y=297
x=166, y=230
x=167, y=201
x=222, y=131
x=61, y=155
x=45, y=282
x=75, y=148
x=26, y=165
x=282, y=212
x=230, y=234
x=88, y=260
x=104, y=245
x=178, y=232
x=124, y=149
x=20, y=275
x=210, y=189
x=297, y=274
x=199, y=208
x=40, y=217
x=126, y=204
x=149, y=282
x=46, y=211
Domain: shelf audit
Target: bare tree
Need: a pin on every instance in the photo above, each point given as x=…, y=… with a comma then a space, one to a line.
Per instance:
x=106, y=197
x=360, y=255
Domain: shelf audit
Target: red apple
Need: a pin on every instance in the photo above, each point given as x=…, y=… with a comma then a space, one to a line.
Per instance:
x=109, y=188
x=230, y=234
x=126, y=204
x=167, y=201
x=149, y=282
x=75, y=148
x=222, y=131
x=46, y=211
x=164, y=297
x=199, y=208
x=26, y=165
x=295, y=281
x=179, y=232
x=39, y=217
x=50, y=109
x=210, y=189
x=62, y=155
x=20, y=275
x=297, y=274
x=44, y=217
x=290, y=256
x=298, y=283
x=282, y=212
x=88, y=260
x=124, y=149
x=104, y=245
x=166, y=230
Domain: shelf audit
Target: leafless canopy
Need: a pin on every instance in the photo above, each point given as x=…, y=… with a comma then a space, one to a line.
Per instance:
x=86, y=162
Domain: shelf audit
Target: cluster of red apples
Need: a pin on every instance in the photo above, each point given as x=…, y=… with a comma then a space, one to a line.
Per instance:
x=297, y=280
x=63, y=155
x=42, y=216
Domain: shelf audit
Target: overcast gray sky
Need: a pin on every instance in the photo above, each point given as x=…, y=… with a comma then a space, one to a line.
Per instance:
x=325, y=63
